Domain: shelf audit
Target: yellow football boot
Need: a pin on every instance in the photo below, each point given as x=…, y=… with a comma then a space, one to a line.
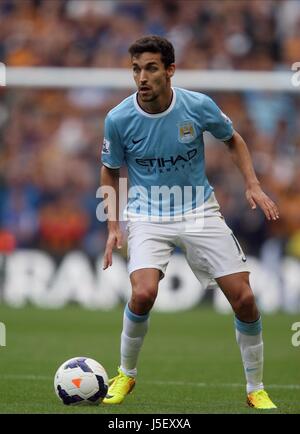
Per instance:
x=119, y=387
x=260, y=400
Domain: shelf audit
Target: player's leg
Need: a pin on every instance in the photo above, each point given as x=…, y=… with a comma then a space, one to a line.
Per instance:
x=135, y=326
x=237, y=290
x=248, y=325
x=213, y=250
x=136, y=317
x=149, y=252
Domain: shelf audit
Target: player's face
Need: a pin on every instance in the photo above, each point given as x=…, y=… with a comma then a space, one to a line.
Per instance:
x=151, y=77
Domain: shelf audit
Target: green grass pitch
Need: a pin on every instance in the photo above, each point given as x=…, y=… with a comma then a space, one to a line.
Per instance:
x=190, y=362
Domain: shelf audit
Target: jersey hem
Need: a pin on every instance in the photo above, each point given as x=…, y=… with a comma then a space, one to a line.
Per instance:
x=110, y=167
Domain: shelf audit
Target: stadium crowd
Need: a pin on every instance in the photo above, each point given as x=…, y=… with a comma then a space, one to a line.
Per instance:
x=50, y=140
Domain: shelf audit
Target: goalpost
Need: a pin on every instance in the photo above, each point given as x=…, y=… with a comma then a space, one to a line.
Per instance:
x=117, y=78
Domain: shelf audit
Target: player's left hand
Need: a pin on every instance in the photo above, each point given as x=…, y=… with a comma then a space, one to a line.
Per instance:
x=256, y=196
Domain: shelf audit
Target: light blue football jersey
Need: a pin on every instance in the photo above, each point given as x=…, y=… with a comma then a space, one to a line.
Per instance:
x=164, y=151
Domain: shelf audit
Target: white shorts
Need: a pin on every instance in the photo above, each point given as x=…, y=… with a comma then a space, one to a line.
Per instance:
x=208, y=243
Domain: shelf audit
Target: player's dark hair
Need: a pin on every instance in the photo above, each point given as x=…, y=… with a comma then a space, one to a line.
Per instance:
x=154, y=44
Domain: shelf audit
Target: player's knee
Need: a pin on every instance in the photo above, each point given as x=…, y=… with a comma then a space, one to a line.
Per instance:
x=245, y=304
x=143, y=298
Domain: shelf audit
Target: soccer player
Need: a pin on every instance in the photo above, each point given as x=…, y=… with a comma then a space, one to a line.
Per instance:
x=158, y=133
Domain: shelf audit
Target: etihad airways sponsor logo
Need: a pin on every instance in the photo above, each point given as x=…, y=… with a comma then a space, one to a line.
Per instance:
x=167, y=162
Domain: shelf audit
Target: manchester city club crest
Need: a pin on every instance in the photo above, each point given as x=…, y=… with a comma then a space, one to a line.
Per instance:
x=186, y=132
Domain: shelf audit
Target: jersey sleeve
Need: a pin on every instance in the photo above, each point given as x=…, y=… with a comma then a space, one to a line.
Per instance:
x=216, y=122
x=112, y=150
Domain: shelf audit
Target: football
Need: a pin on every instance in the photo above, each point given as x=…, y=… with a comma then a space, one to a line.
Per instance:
x=81, y=381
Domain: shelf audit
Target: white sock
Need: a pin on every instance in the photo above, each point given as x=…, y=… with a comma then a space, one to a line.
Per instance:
x=249, y=339
x=134, y=330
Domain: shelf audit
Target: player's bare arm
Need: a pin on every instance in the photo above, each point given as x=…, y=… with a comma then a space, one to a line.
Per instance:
x=254, y=194
x=110, y=177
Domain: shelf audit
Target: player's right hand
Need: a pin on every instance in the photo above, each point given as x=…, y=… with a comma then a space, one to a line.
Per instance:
x=115, y=239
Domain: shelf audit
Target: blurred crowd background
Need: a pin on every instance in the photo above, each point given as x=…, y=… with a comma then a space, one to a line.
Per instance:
x=50, y=140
